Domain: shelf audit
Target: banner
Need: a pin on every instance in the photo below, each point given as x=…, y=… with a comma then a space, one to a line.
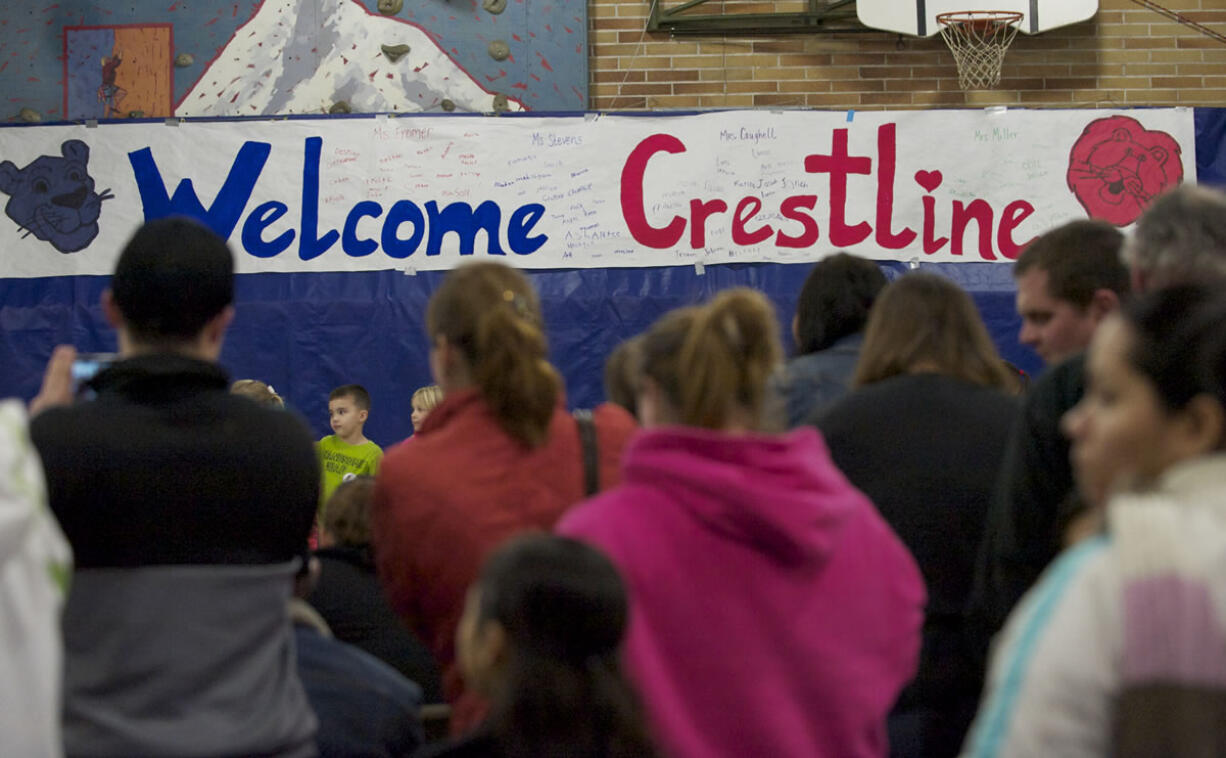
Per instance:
x=423, y=193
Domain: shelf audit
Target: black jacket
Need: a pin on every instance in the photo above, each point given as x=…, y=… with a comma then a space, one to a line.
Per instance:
x=166, y=467
x=349, y=597
x=926, y=449
x=185, y=507
x=1023, y=533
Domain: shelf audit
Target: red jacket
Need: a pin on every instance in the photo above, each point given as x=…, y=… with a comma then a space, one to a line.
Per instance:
x=461, y=486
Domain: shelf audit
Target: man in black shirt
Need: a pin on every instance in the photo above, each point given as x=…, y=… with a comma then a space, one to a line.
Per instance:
x=1068, y=281
x=1181, y=238
x=187, y=509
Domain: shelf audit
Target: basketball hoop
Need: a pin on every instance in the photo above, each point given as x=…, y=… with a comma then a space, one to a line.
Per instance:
x=978, y=40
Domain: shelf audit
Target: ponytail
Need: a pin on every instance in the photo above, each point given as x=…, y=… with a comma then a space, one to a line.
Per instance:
x=714, y=359
x=491, y=313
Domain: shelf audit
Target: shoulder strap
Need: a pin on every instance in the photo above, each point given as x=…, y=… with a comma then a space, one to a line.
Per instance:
x=587, y=438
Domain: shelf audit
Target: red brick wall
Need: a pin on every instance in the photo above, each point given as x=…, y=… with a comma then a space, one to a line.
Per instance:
x=1127, y=55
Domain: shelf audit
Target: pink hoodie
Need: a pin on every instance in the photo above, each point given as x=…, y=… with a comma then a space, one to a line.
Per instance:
x=773, y=612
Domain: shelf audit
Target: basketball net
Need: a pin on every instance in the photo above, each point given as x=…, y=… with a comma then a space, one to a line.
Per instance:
x=978, y=40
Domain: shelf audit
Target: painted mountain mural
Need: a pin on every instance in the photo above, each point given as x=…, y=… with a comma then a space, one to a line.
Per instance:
x=304, y=56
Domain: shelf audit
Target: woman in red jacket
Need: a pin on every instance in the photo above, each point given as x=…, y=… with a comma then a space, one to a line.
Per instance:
x=499, y=456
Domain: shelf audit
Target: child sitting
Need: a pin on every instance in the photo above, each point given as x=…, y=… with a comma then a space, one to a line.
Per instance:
x=349, y=597
x=347, y=453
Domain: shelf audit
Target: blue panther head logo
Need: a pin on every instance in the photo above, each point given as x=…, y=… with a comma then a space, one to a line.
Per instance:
x=54, y=199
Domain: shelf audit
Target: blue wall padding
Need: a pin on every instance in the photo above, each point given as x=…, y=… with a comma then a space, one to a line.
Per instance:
x=307, y=333
x=1210, y=143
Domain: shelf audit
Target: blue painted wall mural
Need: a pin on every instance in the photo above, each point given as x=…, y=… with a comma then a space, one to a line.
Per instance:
x=81, y=60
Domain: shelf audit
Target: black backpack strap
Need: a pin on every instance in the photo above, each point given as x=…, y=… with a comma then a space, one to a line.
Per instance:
x=587, y=438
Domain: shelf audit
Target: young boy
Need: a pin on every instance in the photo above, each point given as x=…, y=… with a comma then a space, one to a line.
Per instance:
x=347, y=453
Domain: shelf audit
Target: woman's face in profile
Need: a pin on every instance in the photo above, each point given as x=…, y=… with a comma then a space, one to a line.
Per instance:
x=1122, y=434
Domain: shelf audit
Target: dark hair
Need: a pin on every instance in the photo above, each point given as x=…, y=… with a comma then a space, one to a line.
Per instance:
x=347, y=512
x=563, y=607
x=926, y=319
x=621, y=371
x=1080, y=258
x=835, y=301
x=491, y=313
x=712, y=359
x=172, y=278
x=361, y=398
x=1178, y=342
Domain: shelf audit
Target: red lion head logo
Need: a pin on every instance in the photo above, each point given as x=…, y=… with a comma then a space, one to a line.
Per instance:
x=1116, y=168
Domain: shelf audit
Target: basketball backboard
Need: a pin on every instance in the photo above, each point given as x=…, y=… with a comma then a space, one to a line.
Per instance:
x=919, y=17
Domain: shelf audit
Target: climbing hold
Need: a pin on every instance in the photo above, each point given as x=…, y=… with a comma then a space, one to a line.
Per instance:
x=183, y=60
x=390, y=7
x=499, y=50
x=29, y=115
x=394, y=52
x=136, y=114
x=500, y=103
x=494, y=6
x=447, y=105
x=340, y=106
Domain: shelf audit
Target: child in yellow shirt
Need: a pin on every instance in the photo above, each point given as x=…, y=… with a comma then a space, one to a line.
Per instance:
x=347, y=453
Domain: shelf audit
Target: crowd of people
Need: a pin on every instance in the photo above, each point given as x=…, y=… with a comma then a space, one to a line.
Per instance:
x=890, y=544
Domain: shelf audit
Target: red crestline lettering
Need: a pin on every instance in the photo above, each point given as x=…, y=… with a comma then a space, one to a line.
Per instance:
x=790, y=209
x=839, y=164
x=932, y=243
x=632, y=193
x=739, y=218
x=699, y=212
x=886, y=158
x=1015, y=213
x=980, y=212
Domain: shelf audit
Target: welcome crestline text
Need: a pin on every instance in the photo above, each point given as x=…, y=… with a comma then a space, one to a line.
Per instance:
x=430, y=226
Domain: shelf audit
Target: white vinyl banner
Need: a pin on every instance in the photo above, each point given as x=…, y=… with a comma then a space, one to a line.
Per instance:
x=423, y=193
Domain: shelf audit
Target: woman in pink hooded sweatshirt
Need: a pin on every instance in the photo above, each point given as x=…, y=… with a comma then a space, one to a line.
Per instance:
x=773, y=612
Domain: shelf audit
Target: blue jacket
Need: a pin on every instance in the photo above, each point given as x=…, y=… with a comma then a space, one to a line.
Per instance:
x=810, y=383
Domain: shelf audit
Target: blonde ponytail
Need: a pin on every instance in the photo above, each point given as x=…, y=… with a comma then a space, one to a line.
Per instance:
x=491, y=313
x=714, y=360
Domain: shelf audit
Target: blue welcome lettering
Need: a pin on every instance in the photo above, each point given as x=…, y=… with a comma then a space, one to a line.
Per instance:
x=400, y=212
x=259, y=220
x=350, y=242
x=310, y=246
x=227, y=208
x=222, y=216
x=520, y=224
x=464, y=221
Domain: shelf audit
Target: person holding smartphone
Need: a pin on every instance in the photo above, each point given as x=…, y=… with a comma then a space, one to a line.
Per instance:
x=186, y=544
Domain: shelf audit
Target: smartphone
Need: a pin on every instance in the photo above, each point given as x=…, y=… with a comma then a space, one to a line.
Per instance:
x=86, y=367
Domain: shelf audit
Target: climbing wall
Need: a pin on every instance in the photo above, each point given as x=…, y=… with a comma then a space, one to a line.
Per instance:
x=114, y=72
x=280, y=57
